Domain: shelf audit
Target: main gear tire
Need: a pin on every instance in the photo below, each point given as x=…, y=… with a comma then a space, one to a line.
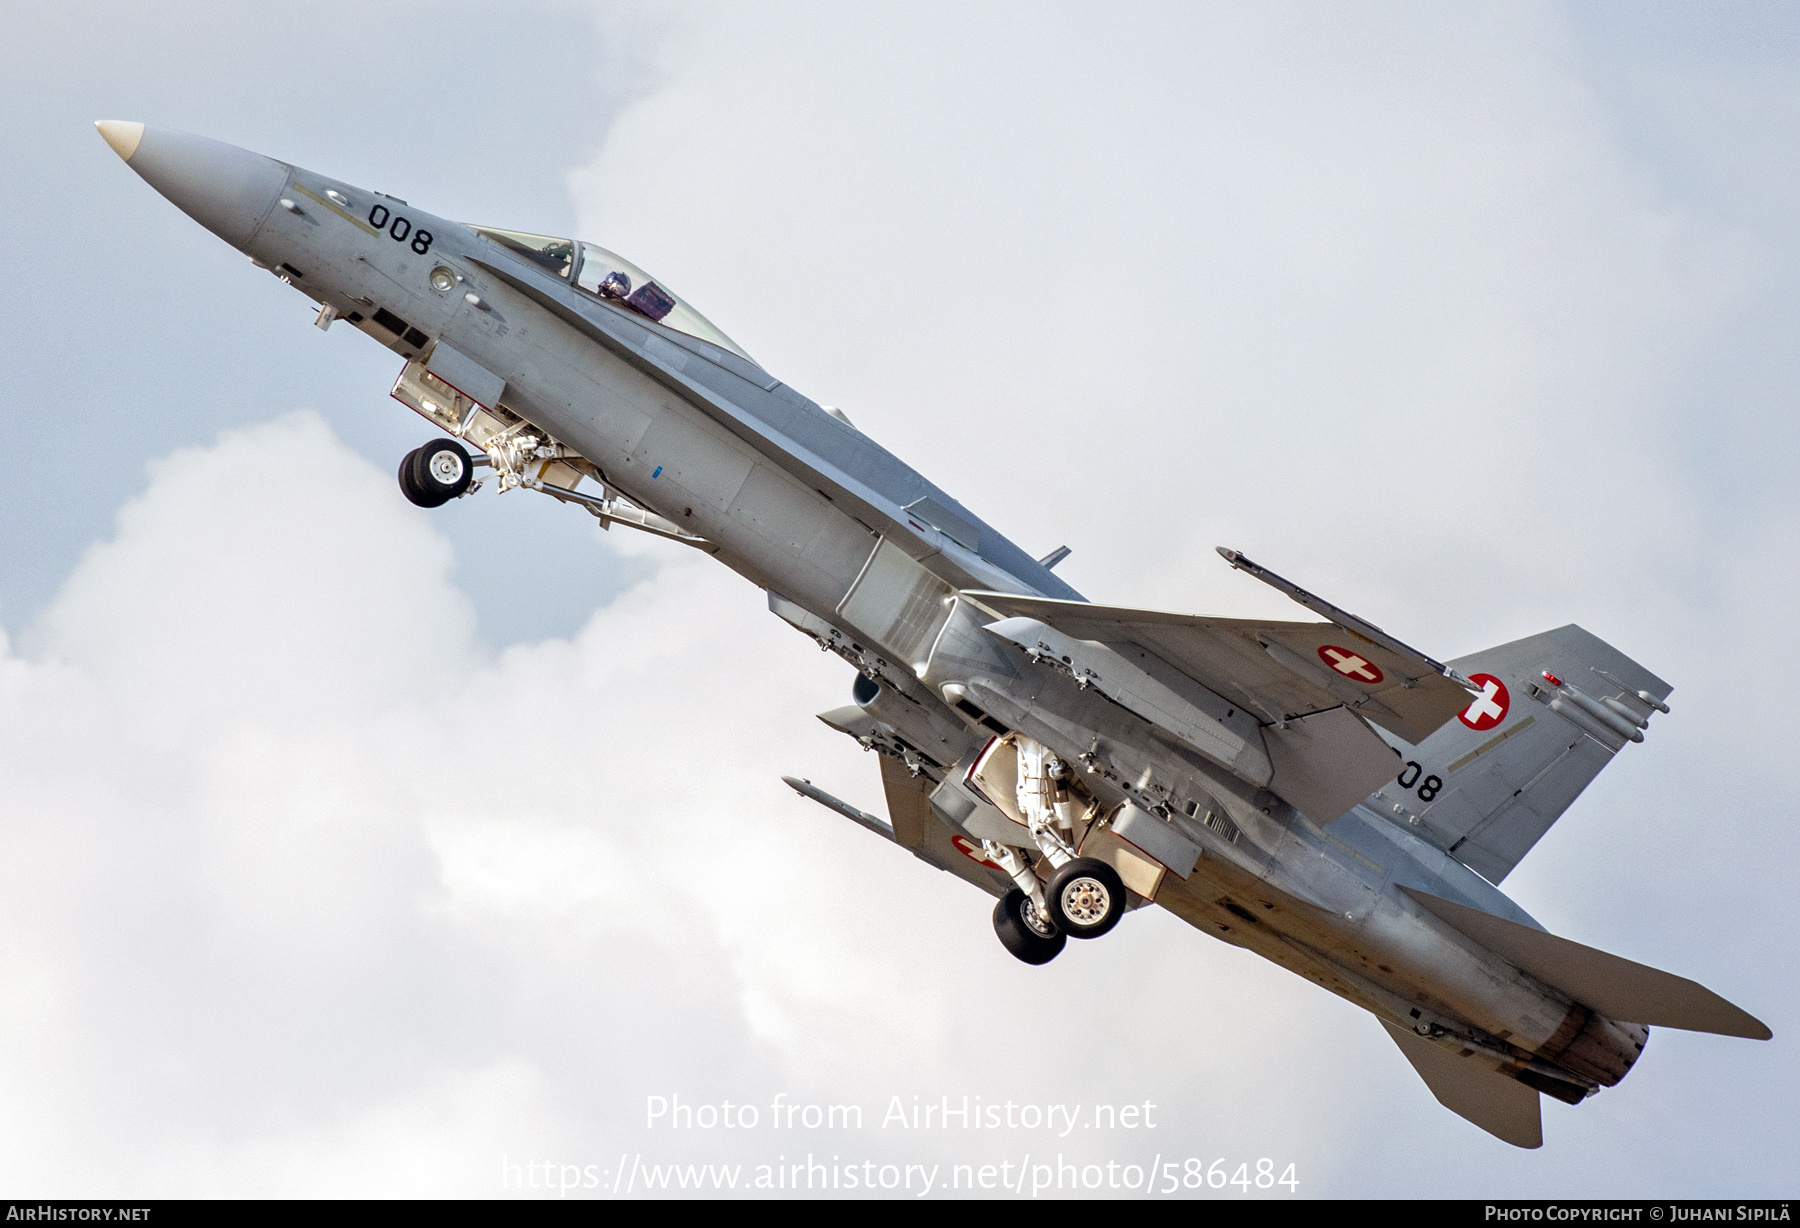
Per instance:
x=1023, y=933
x=1086, y=897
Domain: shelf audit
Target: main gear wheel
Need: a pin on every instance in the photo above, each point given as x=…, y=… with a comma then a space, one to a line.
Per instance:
x=1086, y=897
x=1024, y=932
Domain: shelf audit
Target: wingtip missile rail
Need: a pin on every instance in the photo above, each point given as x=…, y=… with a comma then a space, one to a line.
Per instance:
x=1342, y=617
x=807, y=789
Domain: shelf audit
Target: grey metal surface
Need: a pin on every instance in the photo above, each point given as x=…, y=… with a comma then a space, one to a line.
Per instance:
x=972, y=816
x=1326, y=763
x=1158, y=839
x=1471, y=1089
x=1367, y=631
x=466, y=375
x=226, y=189
x=1616, y=987
x=784, y=424
x=1231, y=658
x=916, y=827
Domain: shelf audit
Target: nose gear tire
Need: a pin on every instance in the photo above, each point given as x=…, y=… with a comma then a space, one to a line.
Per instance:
x=409, y=486
x=1086, y=897
x=1022, y=936
x=432, y=475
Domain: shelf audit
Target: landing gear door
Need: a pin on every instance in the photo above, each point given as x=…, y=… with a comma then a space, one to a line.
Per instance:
x=468, y=377
x=441, y=404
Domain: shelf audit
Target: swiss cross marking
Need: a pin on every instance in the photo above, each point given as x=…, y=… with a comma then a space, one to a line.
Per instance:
x=1349, y=664
x=974, y=852
x=1489, y=708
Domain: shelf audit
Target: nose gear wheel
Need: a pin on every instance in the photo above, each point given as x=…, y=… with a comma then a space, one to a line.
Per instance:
x=434, y=474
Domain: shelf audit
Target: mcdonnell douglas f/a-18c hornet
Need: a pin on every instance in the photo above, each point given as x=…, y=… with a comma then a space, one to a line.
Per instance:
x=1318, y=792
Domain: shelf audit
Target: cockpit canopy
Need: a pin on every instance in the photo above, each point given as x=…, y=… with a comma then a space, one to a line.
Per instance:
x=613, y=278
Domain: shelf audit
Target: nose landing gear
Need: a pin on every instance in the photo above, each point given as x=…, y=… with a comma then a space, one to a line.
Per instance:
x=432, y=475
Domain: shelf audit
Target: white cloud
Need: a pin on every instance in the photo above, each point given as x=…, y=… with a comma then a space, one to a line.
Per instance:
x=305, y=893
x=1376, y=295
x=1152, y=278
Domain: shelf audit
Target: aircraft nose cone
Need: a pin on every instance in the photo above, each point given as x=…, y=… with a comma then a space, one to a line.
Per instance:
x=122, y=135
x=226, y=189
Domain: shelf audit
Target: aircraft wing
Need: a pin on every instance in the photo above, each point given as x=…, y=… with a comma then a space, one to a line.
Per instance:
x=1277, y=670
x=917, y=829
x=913, y=826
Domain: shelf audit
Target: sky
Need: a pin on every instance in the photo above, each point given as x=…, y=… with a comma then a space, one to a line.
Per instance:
x=354, y=849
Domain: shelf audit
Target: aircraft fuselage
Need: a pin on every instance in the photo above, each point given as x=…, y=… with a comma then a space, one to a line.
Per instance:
x=808, y=508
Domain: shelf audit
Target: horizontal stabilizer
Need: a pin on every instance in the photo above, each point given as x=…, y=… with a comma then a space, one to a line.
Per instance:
x=1505, y=1108
x=862, y=818
x=1618, y=988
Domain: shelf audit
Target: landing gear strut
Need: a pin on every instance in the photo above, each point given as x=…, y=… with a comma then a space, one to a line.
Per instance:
x=1065, y=895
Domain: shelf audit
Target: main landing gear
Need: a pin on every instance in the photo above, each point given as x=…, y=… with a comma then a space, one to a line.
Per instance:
x=1083, y=897
x=1086, y=898
x=1022, y=931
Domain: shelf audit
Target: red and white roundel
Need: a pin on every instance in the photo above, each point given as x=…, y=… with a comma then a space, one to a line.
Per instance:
x=968, y=848
x=1489, y=708
x=1351, y=665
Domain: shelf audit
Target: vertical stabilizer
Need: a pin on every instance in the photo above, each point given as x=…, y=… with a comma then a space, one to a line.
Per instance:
x=1555, y=708
x=1504, y=1107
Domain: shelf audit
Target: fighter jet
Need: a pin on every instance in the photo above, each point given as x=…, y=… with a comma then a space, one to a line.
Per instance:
x=1318, y=792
